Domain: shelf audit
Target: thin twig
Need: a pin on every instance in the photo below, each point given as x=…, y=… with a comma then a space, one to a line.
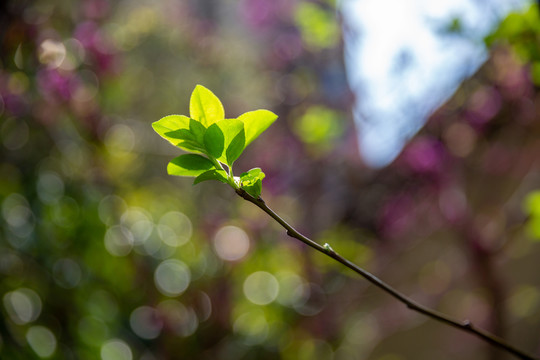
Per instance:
x=466, y=325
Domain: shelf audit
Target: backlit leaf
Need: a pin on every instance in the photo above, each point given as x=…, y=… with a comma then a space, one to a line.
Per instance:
x=254, y=189
x=192, y=146
x=197, y=130
x=205, y=107
x=224, y=140
x=181, y=131
x=255, y=122
x=218, y=175
x=168, y=127
x=251, y=181
x=251, y=176
x=189, y=165
x=235, y=148
x=214, y=141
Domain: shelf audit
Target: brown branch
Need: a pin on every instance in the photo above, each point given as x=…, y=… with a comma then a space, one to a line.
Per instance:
x=466, y=325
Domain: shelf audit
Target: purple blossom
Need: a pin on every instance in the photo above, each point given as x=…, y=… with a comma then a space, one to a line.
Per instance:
x=100, y=51
x=425, y=155
x=54, y=84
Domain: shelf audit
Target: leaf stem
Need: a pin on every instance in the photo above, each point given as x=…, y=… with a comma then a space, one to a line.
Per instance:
x=230, y=175
x=216, y=163
x=466, y=325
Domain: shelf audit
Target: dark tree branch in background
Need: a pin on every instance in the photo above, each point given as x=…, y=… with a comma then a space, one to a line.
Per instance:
x=466, y=325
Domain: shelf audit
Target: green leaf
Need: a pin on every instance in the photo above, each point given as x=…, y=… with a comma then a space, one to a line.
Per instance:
x=255, y=122
x=218, y=175
x=192, y=146
x=168, y=127
x=182, y=134
x=197, y=130
x=254, y=189
x=214, y=140
x=251, y=176
x=205, y=107
x=225, y=140
x=182, y=131
x=189, y=165
x=251, y=182
x=235, y=148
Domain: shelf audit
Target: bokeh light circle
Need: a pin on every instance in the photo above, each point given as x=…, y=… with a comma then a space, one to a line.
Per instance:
x=118, y=240
x=109, y=208
x=172, y=277
x=41, y=340
x=180, y=319
x=22, y=305
x=146, y=322
x=120, y=137
x=18, y=215
x=293, y=289
x=175, y=228
x=261, y=288
x=116, y=349
x=231, y=243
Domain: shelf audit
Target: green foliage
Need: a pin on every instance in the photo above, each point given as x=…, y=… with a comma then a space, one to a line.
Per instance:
x=255, y=122
x=318, y=27
x=218, y=175
x=251, y=181
x=205, y=107
x=215, y=141
x=319, y=126
x=225, y=140
x=521, y=31
x=532, y=203
x=189, y=165
x=532, y=208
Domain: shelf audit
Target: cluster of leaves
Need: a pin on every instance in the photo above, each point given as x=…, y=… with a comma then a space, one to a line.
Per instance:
x=214, y=142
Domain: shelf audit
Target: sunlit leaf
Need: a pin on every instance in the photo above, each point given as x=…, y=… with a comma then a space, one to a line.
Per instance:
x=235, y=148
x=223, y=140
x=254, y=189
x=255, y=122
x=192, y=146
x=189, y=165
x=181, y=131
x=214, y=141
x=205, y=107
x=251, y=176
x=168, y=127
x=197, y=130
x=251, y=181
x=182, y=134
x=218, y=175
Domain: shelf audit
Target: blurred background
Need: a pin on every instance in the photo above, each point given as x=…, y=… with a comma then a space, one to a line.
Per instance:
x=105, y=256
